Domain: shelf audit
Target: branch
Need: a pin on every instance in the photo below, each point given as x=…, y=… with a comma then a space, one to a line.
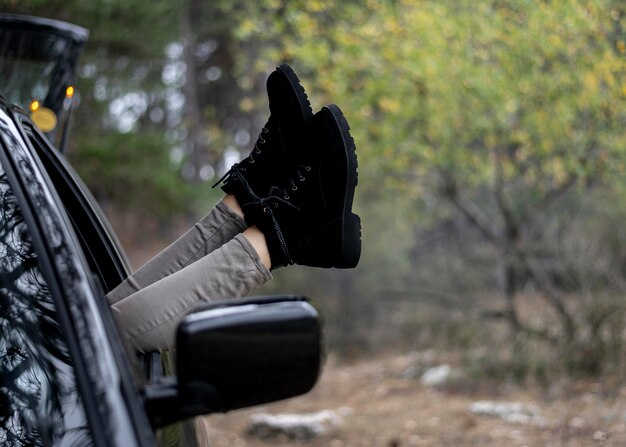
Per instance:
x=550, y=196
x=552, y=296
x=449, y=191
x=512, y=227
x=541, y=334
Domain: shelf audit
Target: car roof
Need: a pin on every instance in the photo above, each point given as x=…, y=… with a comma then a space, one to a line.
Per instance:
x=63, y=29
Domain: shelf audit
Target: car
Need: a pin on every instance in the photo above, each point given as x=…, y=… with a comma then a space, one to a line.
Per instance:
x=65, y=376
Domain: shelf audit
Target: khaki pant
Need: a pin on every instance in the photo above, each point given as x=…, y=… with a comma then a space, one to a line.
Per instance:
x=212, y=260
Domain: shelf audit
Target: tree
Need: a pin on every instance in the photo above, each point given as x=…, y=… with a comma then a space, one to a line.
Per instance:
x=122, y=134
x=499, y=109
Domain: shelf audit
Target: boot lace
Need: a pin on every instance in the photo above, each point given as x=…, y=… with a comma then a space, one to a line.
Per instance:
x=236, y=171
x=276, y=197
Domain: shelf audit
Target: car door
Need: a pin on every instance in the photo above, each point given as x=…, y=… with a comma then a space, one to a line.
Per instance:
x=106, y=260
x=64, y=379
x=37, y=375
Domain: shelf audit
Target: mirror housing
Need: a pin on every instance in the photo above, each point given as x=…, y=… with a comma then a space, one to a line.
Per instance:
x=239, y=353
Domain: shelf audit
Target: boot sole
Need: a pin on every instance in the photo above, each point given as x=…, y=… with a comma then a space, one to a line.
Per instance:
x=350, y=250
x=294, y=81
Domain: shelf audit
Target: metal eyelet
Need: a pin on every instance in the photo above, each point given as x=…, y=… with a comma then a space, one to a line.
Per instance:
x=261, y=140
x=257, y=151
x=286, y=197
x=301, y=178
x=275, y=205
x=251, y=160
x=265, y=209
x=307, y=168
x=294, y=188
x=265, y=130
x=243, y=169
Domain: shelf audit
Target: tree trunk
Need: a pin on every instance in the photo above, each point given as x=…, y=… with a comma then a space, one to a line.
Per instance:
x=196, y=145
x=510, y=284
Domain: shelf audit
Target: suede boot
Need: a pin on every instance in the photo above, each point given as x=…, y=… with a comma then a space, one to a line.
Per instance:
x=308, y=219
x=272, y=159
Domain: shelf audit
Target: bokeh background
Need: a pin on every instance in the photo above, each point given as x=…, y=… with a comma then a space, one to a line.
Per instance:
x=491, y=140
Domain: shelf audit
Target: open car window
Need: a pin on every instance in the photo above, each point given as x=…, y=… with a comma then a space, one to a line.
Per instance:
x=104, y=254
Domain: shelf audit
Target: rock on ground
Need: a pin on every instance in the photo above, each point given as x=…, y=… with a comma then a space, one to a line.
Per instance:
x=294, y=426
x=514, y=412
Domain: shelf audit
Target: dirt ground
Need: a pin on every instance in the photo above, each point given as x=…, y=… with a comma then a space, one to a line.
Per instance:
x=383, y=403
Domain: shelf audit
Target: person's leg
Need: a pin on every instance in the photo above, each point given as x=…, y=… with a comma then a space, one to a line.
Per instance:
x=307, y=220
x=300, y=212
x=269, y=161
x=148, y=318
x=219, y=226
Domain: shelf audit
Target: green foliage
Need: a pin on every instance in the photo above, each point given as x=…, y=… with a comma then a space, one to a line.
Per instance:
x=489, y=110
x=124, y=55
x=133, y=28
x=139, y=173
x=460, y=87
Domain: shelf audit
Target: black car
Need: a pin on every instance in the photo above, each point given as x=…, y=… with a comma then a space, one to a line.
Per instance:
x=65, y=378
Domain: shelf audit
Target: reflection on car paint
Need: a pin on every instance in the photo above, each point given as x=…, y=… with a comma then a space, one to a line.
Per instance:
x=39, y=403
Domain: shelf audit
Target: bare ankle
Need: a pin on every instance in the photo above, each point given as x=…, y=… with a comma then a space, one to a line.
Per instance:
x=257, y=239
x=231, y=202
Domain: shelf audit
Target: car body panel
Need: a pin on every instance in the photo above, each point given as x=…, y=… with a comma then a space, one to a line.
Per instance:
x=112, y=402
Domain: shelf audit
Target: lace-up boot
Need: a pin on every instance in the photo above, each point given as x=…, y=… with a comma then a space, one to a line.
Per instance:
x=308, y=219
x=272, y=158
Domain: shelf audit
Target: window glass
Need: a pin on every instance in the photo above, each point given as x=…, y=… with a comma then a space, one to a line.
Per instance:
x=39, y=401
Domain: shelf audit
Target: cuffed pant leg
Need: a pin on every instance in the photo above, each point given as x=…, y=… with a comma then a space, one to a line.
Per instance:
x=219, y=226
x=148, y=319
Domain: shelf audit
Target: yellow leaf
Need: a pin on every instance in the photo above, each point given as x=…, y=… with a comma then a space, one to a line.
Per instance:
x=389, y=105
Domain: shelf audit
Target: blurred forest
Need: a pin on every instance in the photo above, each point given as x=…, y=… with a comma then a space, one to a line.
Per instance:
x=491, y=144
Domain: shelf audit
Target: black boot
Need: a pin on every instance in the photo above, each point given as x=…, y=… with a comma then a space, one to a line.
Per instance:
x=272, y=158
x=308, y=219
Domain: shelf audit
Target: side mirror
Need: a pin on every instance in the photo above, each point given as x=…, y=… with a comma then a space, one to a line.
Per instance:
x=239, y=353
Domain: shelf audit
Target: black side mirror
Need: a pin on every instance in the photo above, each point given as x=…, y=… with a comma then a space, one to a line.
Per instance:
x=239, y=353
